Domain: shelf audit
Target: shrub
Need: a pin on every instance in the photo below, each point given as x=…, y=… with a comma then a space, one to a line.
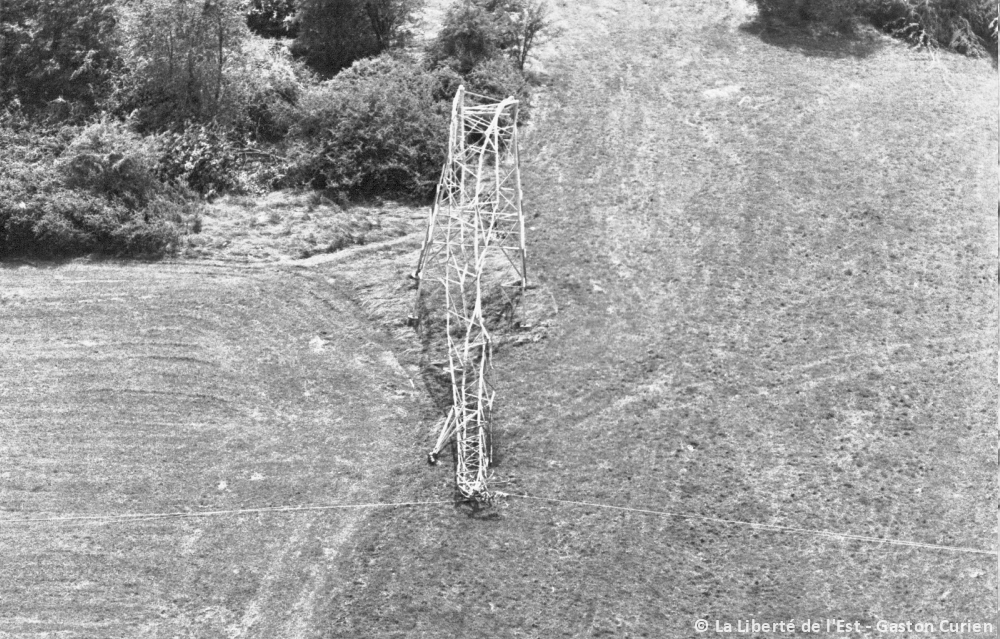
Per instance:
x=965, y=26
x=199, y=157
x=498, y=78
x=527, y=25
x=332, y=34
x=56, y=49
x=469, y=35
x=837, y=13
x=388, y=19
x=272, y=18
x=962, y=25
x=77, y=191
x=205, y=68
x=179, y=55
x=270, y=83
x=379, y=127
x=110, y=161
x=479, y=30
x=62, y=222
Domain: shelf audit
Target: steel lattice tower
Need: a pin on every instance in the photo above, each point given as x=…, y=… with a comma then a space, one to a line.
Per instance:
x=474, y=253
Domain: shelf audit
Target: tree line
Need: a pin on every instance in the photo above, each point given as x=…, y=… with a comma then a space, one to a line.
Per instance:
x=120, y=116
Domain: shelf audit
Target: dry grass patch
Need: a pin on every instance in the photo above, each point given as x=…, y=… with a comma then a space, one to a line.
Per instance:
x=288, y=225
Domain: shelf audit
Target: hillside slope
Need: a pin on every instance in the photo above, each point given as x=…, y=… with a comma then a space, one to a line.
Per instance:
x=774, y=259
x=193, y=388
x=771, y=260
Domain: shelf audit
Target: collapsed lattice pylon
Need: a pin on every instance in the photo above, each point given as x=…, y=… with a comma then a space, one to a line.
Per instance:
x=474, y=242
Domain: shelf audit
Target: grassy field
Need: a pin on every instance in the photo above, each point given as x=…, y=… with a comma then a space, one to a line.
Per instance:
x=775, y=262
x=187, y=388
x=768, y=265
x=282, y=226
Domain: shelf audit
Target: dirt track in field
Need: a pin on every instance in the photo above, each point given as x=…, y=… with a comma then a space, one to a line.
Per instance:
x=186, y=388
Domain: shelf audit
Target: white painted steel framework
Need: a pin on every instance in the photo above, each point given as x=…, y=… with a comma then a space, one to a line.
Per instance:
x=474, y=252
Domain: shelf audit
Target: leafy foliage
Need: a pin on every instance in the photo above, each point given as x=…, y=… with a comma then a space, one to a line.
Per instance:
x=203, y=89
x=272, y=18
x=332, y=34
x=388, y=19
x=180, y=55
x=381, y=128
x=498, y=78
x=469, y=35
x=478, y=30
x=267, y=83
x=200, y=157
x=52, y=49
x=112, y=162
x=64, y=223
x=192, y=64
x=79, y=191
x=527, y=25
x=833, y=12
x=965, y=26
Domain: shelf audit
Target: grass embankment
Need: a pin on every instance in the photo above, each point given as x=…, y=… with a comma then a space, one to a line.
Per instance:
x=774, y=259
x=186, y=388
x=292, y=225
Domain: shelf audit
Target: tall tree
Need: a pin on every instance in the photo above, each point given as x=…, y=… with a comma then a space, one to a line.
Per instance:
x=178, y=53
x=53, y=49
x=387, y=18
x=332, y=34
x=272, y=18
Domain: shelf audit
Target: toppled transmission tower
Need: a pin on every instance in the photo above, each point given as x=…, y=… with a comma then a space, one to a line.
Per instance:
x=473, y=256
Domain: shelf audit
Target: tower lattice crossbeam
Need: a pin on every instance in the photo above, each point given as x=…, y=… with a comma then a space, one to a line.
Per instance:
x=474, y=257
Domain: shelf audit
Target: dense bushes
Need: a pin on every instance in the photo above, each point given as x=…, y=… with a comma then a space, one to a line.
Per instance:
x=66, y=223
x=272, y=83
x=197, y=61
x=332, y=34
x=91, y=190
x=163, y=62
x=485, y=45
x=966, y=26
x=272, y=18
x=833, y=12
x=52, y=49
x=498, y=78
x=193, y=102
x=478, y=30
x=379, y=127
x=180, y=57
x=200, y=157
x=110, y=161
x=469, y=35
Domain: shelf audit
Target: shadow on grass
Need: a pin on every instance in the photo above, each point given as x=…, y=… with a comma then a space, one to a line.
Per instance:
x=813, y=42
